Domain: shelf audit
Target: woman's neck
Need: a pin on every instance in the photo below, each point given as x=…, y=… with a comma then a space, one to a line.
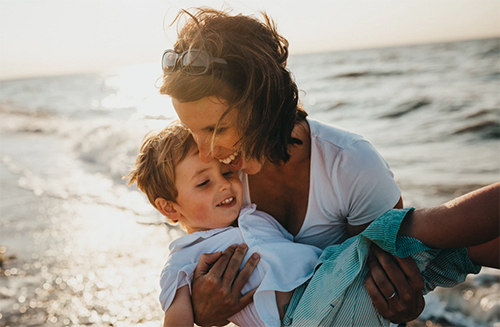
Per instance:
x=283, y=190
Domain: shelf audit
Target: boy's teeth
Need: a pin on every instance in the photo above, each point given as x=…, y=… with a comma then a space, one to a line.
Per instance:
x=226, y=201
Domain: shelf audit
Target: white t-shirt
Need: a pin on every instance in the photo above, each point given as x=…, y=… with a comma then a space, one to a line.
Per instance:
x=284, y=265
x=350, y=182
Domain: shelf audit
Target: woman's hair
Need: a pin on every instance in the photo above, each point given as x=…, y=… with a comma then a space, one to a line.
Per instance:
x=256, y=82
x=161, y=152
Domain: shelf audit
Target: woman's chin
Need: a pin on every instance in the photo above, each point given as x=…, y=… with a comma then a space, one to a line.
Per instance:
x=251, y=168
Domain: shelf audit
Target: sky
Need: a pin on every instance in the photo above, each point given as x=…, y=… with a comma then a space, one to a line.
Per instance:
x=53, y=37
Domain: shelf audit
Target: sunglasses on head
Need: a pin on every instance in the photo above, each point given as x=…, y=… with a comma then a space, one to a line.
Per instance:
x=193, y=61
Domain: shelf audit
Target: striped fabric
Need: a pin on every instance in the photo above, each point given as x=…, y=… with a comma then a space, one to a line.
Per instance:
x=336, y=295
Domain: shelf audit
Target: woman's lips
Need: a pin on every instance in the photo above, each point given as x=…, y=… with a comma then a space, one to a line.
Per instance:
x=229, y=159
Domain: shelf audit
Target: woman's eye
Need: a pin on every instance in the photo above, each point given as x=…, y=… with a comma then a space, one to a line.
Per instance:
x=218, y=131
x=204, y=183
x=228, y=174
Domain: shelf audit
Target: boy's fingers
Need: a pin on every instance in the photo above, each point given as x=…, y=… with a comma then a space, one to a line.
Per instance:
x=246, y=272
x=234, y=265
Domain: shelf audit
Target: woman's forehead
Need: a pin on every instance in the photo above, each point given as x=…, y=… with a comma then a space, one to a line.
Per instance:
x=200, y=114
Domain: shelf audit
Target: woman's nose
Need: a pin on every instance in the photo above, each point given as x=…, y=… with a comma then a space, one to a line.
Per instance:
x=205, y=157
x=206, y=151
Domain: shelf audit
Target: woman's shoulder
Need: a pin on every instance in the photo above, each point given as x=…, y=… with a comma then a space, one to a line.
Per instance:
x=322, y=132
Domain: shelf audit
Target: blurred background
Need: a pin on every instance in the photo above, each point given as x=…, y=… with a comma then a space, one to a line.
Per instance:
x=79, y=89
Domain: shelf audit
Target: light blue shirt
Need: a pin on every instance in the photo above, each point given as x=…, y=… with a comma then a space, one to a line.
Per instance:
x=284, y=265
x=336, y=295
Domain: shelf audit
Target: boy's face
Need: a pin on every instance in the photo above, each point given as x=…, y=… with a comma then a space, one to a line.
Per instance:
x=209, y=194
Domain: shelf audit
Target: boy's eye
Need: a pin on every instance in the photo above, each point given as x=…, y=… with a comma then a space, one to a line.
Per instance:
x=204, y=183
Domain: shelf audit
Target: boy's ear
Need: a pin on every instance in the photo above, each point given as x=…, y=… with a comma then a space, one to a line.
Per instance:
x=167, y=209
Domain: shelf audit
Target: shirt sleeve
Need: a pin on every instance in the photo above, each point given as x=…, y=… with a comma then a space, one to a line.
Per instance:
x=171, y=281
x=366, y=183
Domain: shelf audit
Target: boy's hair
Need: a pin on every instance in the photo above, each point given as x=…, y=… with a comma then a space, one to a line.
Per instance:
x=161, y=152
x=256, y=83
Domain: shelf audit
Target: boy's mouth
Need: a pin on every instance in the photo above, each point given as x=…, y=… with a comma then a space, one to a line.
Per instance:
x=226, y=201
x=230, y=159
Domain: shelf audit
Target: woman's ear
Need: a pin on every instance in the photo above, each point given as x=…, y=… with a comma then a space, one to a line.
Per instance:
x=167, y=209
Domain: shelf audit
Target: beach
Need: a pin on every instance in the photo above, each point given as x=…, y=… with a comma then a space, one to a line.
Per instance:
x=71, y=261
x=80, y=261
x=80, y=248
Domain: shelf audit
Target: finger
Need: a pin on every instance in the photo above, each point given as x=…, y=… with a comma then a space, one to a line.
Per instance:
x=206, y=262
x=414, y=280
x=246, y=272
x=247, y=298
x=379, y=276
x=234, y=264
x=376, y=296
x=393, y=272
x=413, y=274
x=220, y=266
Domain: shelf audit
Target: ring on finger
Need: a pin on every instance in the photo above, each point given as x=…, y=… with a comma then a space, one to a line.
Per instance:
x=390, y=297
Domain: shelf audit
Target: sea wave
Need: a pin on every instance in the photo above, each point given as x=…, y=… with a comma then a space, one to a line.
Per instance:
x=487, y=129
x=356, y=74
x=407, y=107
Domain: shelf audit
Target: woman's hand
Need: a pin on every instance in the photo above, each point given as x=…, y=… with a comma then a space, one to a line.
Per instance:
x=217, y=285
x=395, y=286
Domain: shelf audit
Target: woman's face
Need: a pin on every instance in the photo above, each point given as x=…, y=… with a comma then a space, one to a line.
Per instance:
x=201, y=117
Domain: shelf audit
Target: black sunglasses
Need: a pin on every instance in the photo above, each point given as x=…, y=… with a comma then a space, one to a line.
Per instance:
x=193, y=61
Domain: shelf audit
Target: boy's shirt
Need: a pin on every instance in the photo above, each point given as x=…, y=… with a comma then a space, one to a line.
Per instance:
x=284, y=265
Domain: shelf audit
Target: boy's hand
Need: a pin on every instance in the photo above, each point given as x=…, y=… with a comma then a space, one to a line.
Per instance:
x=217, y=285
x=395, y=286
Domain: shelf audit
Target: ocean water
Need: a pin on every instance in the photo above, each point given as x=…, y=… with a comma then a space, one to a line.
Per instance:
x=78, y=247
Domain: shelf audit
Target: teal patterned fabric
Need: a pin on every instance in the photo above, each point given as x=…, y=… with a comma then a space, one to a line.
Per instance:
x=336, y=295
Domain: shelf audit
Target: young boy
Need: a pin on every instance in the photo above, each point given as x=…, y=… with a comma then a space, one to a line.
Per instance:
x=206, y=198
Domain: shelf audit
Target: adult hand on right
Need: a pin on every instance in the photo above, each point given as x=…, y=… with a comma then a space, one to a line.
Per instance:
x=217, y=285
x=395, y=286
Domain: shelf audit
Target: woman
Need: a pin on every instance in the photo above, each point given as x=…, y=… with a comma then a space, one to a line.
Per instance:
x=229, y=85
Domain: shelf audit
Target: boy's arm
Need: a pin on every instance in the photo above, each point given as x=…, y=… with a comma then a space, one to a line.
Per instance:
x=467, y=221
x=180, y=312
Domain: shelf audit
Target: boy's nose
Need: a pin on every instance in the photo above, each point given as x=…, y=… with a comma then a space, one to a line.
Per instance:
x=224, y=184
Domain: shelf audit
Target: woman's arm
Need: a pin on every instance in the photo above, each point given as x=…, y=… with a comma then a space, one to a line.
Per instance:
x=180, y=312
x=217, y=280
